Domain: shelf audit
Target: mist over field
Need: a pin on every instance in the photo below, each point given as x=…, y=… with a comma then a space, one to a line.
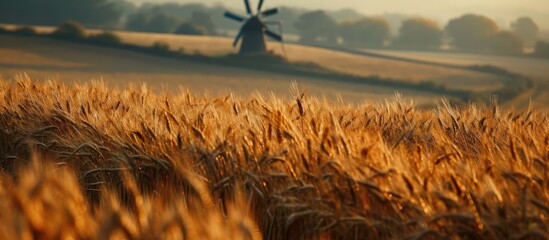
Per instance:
x=504, y=11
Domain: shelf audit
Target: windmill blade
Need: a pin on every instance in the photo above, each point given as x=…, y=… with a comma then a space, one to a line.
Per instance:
x=273, y=35
x=280, y=25
x=248, y=8
x=270, y=12
x=260, y=5
x=234, y=16
x=238, y=37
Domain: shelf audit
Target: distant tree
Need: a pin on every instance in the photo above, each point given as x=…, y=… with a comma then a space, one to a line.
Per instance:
x=175, y=9
x=196, y=13
x=471, y=32
x=70, y=30
x=544, y=35
x=162, y=23
x=527, y=29
x=188, y=28
x=161, y=47
x=367, y=32
x=55, y=12
x=138, y=22
x=203, y=20
x=505, y=42
x=346, y=14
x=395, y=21
x=105, y=38
x=25, y=31
x=316, y=26
x=288, y=15
x=419, y=33
x=542, y=49
x=125, y=7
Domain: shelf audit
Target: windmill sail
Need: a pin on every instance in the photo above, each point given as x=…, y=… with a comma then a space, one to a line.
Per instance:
x=270, y=12
x=260, y=5
x=273, y=35
x=237, y=38
x=248, y=8
x=235, y=17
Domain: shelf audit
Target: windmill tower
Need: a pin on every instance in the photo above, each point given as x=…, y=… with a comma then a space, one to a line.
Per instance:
x=254, y=29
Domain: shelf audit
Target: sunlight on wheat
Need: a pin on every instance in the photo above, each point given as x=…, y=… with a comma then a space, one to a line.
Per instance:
x=85, y=161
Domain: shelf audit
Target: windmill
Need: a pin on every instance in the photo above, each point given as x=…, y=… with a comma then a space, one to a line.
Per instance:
x=254, y=29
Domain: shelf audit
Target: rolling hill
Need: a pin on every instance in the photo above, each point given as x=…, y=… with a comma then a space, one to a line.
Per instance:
x=46, y=58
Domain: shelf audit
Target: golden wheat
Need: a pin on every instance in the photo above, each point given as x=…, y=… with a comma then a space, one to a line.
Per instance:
x=89, y=162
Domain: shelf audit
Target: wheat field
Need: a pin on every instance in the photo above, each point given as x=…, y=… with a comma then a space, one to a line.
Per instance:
x=44, y=59
x=330, y=59
x=333, y=60
x=88, y=162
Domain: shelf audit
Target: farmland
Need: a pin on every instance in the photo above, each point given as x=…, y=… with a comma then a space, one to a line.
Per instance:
x=535, y=68
x=86, y=161
x=180, y=149
x=336, y=61
x=45, y=59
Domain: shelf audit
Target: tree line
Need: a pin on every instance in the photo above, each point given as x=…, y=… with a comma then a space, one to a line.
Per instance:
x=54, y=12
x=470, y=32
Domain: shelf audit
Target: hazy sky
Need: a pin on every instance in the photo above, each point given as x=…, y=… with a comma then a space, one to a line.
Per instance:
x=503, y=11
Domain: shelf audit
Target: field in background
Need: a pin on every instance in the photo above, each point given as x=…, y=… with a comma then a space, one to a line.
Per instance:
x=346, y=62
x=535, y=68
x=70, y=62
x=333, y=60
x=90, y=162
x=529, y=66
